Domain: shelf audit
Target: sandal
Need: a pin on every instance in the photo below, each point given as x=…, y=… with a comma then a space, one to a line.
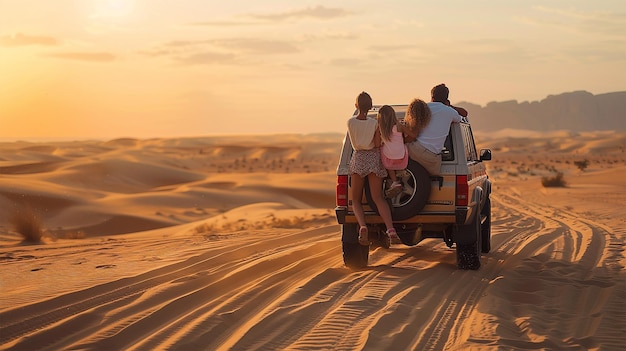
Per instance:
x=393, y=236
x=364, y=236
x=394, y=190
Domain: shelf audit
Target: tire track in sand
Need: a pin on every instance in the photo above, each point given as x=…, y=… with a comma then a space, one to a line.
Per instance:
x=132, y=300
x=567, y=268
x=293, y=292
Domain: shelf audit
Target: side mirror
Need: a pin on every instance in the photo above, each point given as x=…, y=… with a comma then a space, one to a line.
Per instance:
x=485, y=154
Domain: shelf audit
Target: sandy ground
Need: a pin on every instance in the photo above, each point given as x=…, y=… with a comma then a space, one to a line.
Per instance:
x=222, y=243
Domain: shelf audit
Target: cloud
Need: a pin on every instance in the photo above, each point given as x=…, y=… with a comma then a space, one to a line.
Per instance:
x=330, y=36
x=345, y=62
x=394, y=48
x=186, y=43
x=205, y=58
x=257, y=46
x=596, y=16
x=226, y=23
x=319, y=12
x=220, y=51
x=20, y=39
x=605, y=23
x=157, y=52
x=600, y=52
x=84, y=56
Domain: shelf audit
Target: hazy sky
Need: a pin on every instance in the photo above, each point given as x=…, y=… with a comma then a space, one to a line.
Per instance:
x=156, y=68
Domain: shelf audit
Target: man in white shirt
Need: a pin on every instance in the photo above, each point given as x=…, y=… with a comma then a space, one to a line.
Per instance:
x=427, y=148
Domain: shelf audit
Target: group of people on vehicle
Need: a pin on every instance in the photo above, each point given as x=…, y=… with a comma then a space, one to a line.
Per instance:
x=383, y=145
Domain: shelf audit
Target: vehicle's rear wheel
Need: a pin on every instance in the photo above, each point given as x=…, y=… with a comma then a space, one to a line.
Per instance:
x=468, y=254
x=486, y=227
x=415, y=193
x=355, y=255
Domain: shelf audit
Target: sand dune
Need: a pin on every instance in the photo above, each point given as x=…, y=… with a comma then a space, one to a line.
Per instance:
x=91, y=186
x=230, y=242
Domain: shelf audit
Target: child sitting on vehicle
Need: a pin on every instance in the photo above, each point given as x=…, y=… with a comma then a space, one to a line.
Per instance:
x=393, y=152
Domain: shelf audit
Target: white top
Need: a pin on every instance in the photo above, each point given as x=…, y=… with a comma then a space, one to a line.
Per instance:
x=394, y=149
x=361, y=132
x=434, y=135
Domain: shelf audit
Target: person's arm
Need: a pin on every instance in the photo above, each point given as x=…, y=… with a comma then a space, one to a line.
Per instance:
x=377, y=138
x=409, y=135
x=460, y=113
x=460, y=110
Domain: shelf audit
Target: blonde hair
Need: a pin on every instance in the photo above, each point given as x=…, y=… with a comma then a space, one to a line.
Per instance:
x=417, y=116
x=386, y=120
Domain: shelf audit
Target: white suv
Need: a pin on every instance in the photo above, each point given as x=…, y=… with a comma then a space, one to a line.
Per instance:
x=453, y=206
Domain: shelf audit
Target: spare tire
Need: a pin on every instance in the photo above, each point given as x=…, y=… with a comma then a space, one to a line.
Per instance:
x=415, y=193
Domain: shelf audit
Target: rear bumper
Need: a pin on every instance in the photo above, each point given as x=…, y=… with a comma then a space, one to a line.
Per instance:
x=458, y=217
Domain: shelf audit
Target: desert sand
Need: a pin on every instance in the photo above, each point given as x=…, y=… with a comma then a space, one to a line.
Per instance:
x=230, y=242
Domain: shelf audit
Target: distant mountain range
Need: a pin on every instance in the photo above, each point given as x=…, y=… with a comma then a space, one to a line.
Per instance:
x=575, y=111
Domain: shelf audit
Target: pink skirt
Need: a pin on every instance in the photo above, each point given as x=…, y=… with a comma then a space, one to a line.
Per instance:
x=395, y=164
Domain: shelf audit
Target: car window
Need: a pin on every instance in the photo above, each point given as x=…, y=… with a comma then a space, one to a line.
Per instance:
x=447, y=154
x=468, y=139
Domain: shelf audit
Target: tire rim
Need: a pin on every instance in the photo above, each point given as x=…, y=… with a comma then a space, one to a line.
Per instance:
x=408, y=190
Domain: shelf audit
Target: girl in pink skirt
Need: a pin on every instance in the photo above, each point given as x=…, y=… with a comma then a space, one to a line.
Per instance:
x=393, y=153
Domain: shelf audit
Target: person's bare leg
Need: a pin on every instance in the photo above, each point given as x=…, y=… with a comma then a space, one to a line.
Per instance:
x=357, y=195
x=376, y=188
x=394, y=187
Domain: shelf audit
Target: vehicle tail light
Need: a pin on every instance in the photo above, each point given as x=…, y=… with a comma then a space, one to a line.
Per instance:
x=462, y=190
x=342, y=190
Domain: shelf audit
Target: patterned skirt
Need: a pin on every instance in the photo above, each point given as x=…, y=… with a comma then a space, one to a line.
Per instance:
x=364, y=162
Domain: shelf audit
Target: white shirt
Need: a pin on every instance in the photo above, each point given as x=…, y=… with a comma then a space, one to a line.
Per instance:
x=361, y=132
x=434, y=135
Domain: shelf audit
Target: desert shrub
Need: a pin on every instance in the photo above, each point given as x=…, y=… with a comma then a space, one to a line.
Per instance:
x=582, y=164
x=78, y=234
x=554, y=181
x=291, y=222
x=27, y=225
x=205, y=228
